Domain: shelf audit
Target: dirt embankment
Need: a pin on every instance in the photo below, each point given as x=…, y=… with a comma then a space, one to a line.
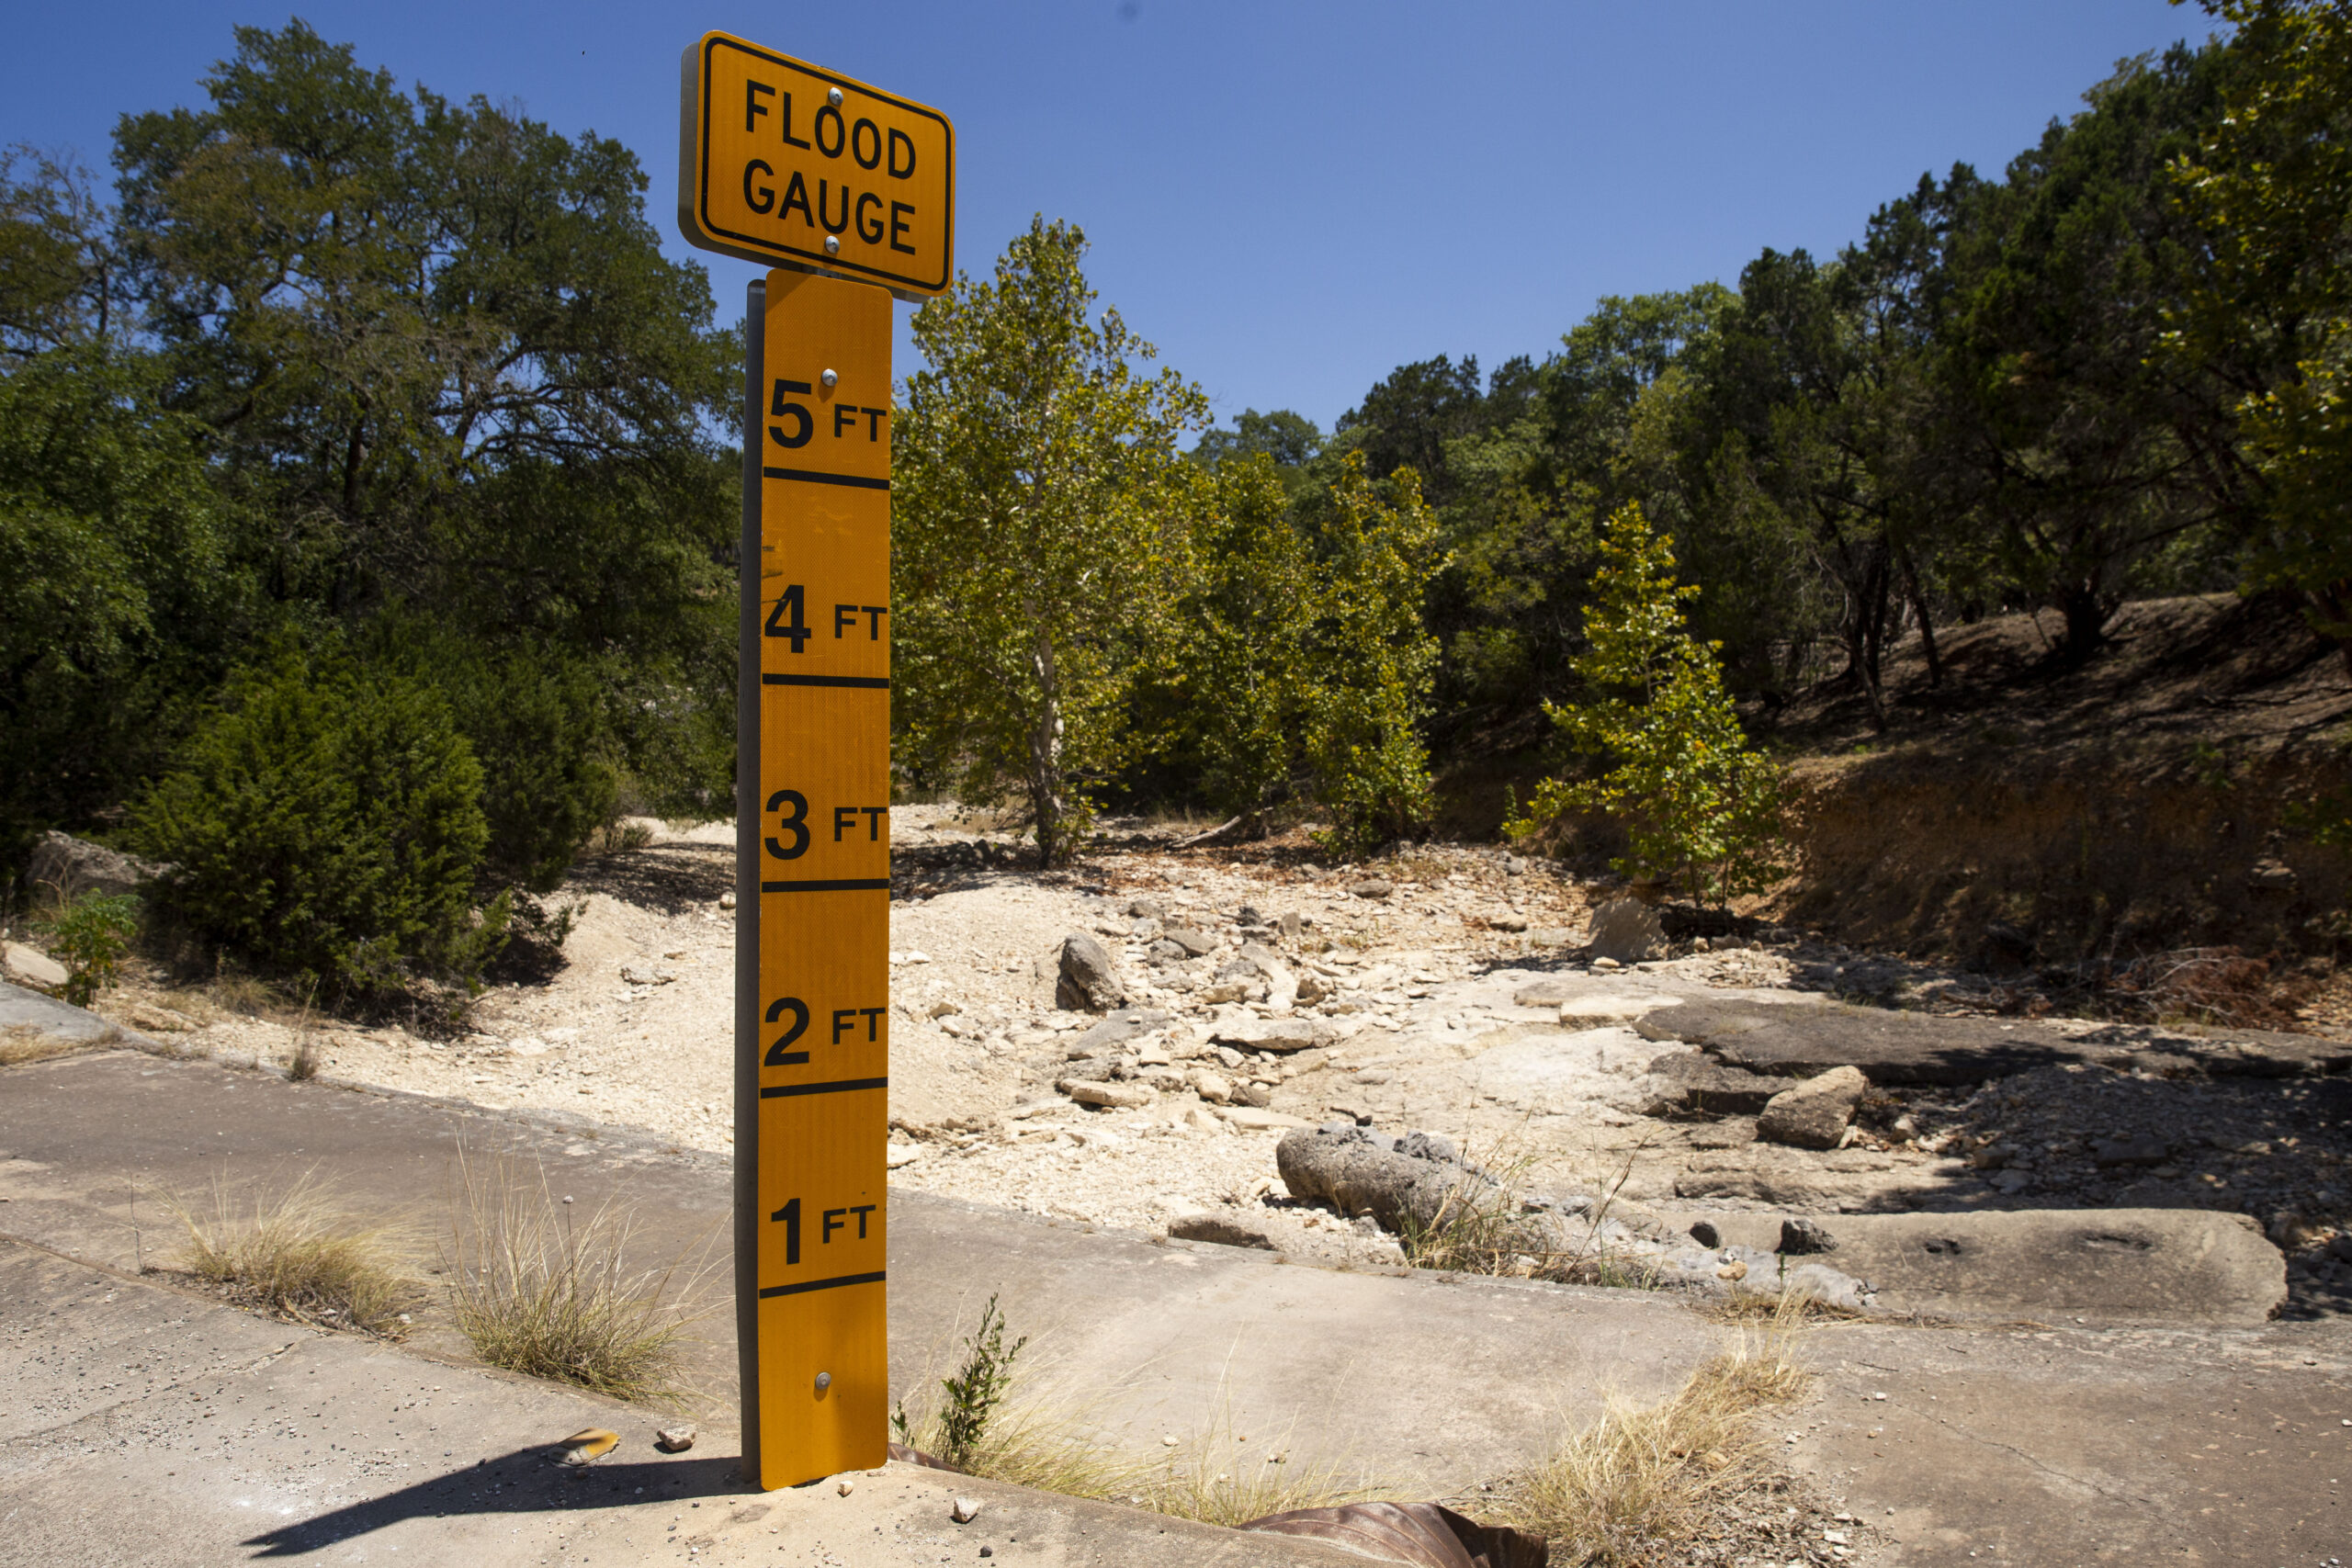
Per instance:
x=2168, y=794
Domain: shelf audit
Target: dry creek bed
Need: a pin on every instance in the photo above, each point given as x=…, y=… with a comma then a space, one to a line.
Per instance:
x=1422, y=991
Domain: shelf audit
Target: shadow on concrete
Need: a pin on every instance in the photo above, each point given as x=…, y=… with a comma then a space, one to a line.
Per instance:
x=528, y=1481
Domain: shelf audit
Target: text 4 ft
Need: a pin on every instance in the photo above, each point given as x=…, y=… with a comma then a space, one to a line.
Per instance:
x=789, y=619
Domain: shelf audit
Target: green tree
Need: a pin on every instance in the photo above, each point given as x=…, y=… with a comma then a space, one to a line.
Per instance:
x=327, y=822
x=1370, y=658
x=1304, y=669
x=1290, y=441
x=2270, y=311
x=1040, y=507
x=1699, y=806
x=124, y=593
x=1239, y=669
x=59, y=272
x=1406, y=420
x=2090, y=457
x=537, y=721
x=1797, y=445
x=438, y=348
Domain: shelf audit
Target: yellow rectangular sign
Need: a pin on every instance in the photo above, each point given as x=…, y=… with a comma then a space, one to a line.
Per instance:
x=781, y=162
x=822, y=1043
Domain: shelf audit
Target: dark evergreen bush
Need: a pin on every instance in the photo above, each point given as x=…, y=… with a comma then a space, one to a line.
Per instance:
x=328, y=823
x=535, y=718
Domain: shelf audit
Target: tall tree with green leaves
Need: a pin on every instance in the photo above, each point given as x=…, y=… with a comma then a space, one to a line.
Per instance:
x=125, y=593
x=2085, y=446
x=60, y=272
x=1236, y=676
x=1040, y=507
x=439, y=349
x=1372, y=659
x=1699, y=806
x=1303, y=668
x=2270, y=311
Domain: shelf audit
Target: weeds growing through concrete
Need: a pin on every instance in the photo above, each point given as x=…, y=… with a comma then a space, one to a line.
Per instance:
x=23, y=1042
x=1770, y=1309
x=305, y=1254
x=973, y=1393
x=1046, y=1438
x=1639, y=1480
x=303, y=1066
x=1042, y=1441
x=541, y=1290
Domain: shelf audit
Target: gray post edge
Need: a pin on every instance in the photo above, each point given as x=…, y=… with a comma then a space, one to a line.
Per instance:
x=689, y=135
x=747, y=892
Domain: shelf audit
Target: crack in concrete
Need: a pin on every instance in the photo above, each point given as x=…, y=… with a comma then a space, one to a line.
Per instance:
x=172, y=1384
x=2033, y=1460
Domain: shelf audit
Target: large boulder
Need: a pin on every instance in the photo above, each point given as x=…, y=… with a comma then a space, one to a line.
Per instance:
x=31, y=966
x=1395, y=1180
x=1815, y=1113
x=1628, y=932
x=74, y=866
x=1088, y=982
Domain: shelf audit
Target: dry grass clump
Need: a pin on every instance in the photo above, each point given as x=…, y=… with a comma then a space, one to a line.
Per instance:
x=1222, y=1478
x=303, y=1064
x=1047, y=1439
x=23, y=1042
x=1042, y=1441
x=1486, y=1230
x=1770, y=1310
x=1641, y=1479
x=237, y=993
x=306, y=1255
x=538, y=1290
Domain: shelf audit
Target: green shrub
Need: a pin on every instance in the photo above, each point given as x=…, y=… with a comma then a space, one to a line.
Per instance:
x=1699, y=806
x=328, y=822
x=534, y=719
x=91, y=936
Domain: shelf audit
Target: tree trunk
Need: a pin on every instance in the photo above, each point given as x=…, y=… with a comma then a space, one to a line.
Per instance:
x=1919, y=600
x=2328, y=612
x=1046, y=802
x=2087, y=615
x=1865, y=637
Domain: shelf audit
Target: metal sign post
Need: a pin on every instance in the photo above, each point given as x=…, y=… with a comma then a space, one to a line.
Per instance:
x=846, y=189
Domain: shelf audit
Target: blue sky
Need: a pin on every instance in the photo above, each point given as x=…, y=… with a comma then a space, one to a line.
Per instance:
x=1289, y=200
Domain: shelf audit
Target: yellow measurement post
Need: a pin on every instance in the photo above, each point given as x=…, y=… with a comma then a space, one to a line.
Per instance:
x=849, y=192
x=816, y=1371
